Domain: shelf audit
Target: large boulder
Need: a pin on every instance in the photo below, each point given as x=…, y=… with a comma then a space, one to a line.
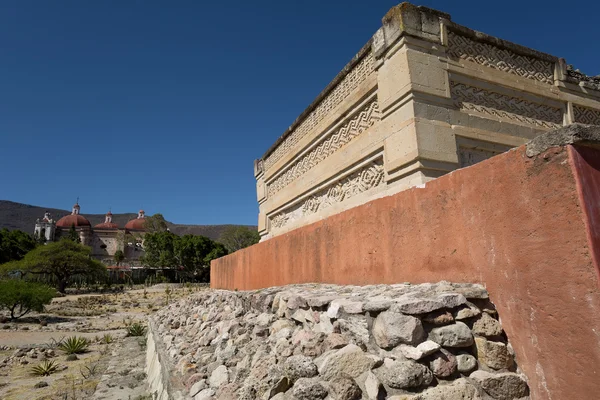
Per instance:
x=505, y=386
x=455, y=335
x=404, y=374
x=349, y=361
x=393, y=328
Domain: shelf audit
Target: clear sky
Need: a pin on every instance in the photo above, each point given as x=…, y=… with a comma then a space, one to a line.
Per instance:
x=164, y=105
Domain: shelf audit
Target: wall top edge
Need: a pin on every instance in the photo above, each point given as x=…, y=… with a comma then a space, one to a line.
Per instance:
x=588, y=135
x=407, y=19
x=497, y=42
x=364, y=51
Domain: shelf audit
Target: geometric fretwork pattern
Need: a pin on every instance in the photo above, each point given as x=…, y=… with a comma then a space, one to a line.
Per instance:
x=366, y=118
x=586, y=115
x=501, y=59
x=487, y=103
x=362, y=180
x=346, y=86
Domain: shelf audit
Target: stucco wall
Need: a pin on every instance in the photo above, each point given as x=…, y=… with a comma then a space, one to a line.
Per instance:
x=513, y=223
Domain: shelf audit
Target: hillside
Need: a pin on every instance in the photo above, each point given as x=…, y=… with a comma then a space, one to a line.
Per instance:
x=22, y=216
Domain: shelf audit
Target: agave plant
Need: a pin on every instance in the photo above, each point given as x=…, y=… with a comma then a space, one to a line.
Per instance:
x=136, y=329
x=74, y=345
x=46, y=368
x=107, y=338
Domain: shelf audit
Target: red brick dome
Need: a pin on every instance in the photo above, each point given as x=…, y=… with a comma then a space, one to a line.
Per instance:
x=73, y=219
x=137, y=224
x=107, y=225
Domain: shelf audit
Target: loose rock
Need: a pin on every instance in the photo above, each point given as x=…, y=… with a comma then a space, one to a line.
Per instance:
x=392, y=328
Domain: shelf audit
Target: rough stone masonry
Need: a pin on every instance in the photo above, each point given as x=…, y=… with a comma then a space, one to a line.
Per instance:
x=440, y=341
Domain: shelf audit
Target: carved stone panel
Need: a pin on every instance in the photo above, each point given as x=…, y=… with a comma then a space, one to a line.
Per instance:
x=465, y=48
x=586, y=115
x=360, y=181
x=337, y=139
x=497, y=105
x=354, y=78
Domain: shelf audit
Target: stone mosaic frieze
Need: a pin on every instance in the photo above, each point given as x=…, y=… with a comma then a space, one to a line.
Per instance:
x=485, y=54
x=492, y=104
x=354, y=78
x=363, y=120
x=586, y=115
x=360, y=181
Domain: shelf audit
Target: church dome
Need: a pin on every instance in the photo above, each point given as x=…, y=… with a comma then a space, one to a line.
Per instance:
x=75, y=219
x=137, y=224
x=107, y=224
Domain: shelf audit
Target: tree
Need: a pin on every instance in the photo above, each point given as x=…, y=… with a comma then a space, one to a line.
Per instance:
x=237, y=237
x=73, y=235
x=194, y=253
x=119, y=256
x=155, y=223
x=63, y=261
x=14, y=245
x=21, y=297
x=190, y=254
x=159, y=250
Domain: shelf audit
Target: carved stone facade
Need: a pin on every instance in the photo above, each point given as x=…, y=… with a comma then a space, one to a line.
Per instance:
x=586, y=115
x=354, y=78
x=358, y=182
x=496, y=105
x=424, y=97
x=333, y=142
x=502, y=59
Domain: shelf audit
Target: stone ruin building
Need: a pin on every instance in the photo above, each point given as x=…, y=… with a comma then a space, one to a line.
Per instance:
x=104, y=239
x=438, y=157
x=424, y=96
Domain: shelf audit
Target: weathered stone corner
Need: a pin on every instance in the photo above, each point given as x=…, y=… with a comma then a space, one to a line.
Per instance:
x=588, y=135
x=407, y=18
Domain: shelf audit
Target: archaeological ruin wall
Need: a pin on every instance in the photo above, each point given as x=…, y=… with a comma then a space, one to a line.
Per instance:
x=525, y=223
x=425, y=96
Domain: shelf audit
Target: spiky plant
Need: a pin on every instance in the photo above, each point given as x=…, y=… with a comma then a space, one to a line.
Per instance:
x=136, y=329
x=46, y=368
x=107, y=338
x=74, y=345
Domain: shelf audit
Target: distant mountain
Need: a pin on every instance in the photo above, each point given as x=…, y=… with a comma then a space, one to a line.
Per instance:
x=22, y=216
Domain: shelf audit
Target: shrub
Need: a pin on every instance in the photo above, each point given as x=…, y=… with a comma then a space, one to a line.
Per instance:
x=136, y=329
x=20, y=297
x=107, y=338
x=46, y=368
x=74, y=345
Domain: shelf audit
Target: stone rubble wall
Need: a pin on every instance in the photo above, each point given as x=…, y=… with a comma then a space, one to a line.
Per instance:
x=317, y=341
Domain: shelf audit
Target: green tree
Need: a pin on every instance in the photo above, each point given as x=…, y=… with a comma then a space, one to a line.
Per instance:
x=155, y=223
x=21, y=297
x=119, y=256
x=14, y=245
x=190, y=254
x=63, y=261
x=238, y=237
x=159, y=250
x=73, y=235
x=194, y=253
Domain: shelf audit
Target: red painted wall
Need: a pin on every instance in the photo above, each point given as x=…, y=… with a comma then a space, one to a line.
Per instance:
x=586, y=163
x=513, y=223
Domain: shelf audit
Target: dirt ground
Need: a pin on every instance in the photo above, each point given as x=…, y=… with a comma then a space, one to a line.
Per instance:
x=112, y=367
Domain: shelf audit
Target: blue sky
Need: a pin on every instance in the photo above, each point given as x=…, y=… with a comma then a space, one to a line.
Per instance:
x=164, y=105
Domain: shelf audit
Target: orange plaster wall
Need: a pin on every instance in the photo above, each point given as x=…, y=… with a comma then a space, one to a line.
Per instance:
x=513, y=223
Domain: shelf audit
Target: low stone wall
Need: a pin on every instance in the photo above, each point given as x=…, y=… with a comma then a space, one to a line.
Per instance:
x=525, y=223
x=307, y=342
